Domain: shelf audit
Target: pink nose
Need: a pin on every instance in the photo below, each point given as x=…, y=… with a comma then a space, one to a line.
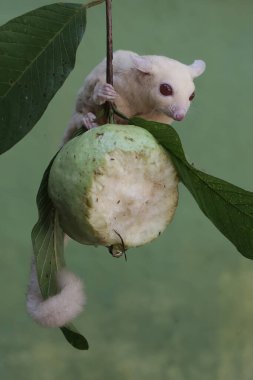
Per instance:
x=179, y=116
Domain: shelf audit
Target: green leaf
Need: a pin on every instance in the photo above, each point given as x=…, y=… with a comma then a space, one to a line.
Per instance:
x=48, y=247
x=37, y=53
x=74, y=337
x=47, y=238
x=229, y=207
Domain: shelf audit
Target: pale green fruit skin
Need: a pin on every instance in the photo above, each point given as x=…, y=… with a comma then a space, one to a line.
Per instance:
x=79, y=163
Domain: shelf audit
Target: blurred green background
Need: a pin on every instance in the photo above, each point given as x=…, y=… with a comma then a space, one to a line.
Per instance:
x=181, y=308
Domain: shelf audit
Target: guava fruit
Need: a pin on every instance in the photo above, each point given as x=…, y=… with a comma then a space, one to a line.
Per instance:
x=114, y=183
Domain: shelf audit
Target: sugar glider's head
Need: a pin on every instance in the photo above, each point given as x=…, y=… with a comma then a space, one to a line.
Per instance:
x=168, y=84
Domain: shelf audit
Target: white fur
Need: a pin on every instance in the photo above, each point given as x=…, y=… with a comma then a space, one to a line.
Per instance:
x=197, y=68
x=60, y=309
x=137, y=80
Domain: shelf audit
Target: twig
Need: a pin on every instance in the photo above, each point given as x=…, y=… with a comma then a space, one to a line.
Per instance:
x=109, y=68
x=109, y=55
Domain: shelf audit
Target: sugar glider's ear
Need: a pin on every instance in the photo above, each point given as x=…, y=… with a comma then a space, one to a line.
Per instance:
x=142, y=64
x=197, y=68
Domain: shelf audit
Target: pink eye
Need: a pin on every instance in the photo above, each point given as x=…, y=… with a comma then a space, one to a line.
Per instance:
x=192, y=96
x=166, y=89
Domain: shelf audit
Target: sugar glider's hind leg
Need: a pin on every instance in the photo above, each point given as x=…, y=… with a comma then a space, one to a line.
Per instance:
x=103, y=92
x=77, y=121
x=74, y=124
x=89, y=120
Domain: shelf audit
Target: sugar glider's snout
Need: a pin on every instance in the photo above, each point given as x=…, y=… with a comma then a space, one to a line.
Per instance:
x=178, y=114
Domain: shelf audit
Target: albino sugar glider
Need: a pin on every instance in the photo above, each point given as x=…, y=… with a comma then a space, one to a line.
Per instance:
x=152, y=87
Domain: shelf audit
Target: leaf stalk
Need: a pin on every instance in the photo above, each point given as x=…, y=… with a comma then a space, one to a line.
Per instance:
x=94, y=3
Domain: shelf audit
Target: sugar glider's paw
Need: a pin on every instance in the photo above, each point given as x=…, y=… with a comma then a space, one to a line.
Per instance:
x=88, y=120
x=104, y=93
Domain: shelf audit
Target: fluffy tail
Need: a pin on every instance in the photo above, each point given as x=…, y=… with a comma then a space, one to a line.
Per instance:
x=60, y=309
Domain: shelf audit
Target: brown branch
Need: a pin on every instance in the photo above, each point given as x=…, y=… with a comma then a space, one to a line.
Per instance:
x=109, y=51
x=109, y=55
x=109, y=68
